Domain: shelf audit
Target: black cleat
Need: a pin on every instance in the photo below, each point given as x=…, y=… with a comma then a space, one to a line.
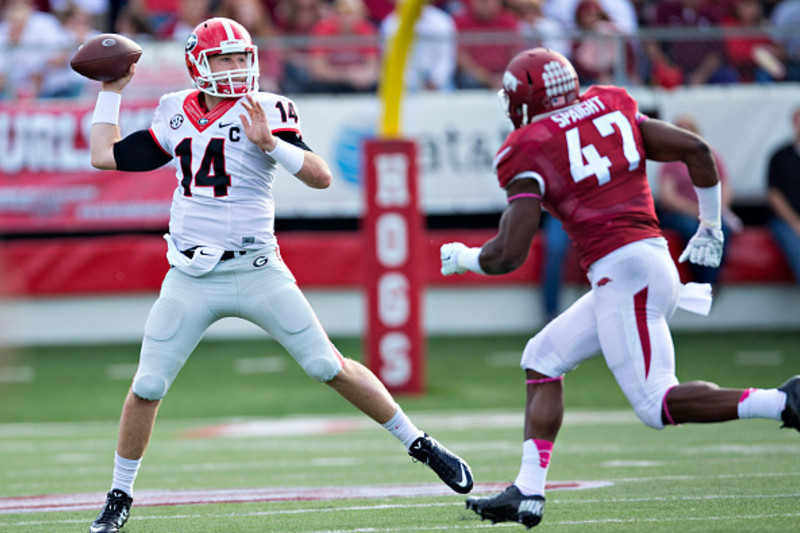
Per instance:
x=450, y=468
x=509, y=506
x=114, y=513
x=791, y=413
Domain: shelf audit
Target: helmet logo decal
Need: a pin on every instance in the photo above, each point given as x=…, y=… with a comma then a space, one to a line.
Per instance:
x=510, y=82
x=191, y=42
x=557, y=79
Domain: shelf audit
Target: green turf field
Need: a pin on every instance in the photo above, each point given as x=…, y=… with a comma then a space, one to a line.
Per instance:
x=324, y=467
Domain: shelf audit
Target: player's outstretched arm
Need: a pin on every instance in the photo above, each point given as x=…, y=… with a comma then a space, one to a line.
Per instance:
x=518, y=224
x=509, y=248
x=307, y=166
x=105, y=122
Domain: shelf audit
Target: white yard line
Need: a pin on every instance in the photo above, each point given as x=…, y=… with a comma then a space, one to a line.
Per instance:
x=459, y=526
x=301, y=425
x=149, y=498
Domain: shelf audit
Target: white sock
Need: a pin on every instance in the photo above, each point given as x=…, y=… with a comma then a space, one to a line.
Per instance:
x=762, y=403
x=403, y=428
x=125, y=471
x=533, y=470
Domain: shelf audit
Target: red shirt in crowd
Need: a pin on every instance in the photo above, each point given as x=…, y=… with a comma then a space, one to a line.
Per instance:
x=344, y=54
x=492, y=57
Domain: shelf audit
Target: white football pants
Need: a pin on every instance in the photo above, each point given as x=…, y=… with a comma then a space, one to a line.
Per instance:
x=257, y=287
x=634, y=291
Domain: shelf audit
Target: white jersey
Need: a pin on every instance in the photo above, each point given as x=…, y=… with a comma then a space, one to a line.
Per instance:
x=224, y=193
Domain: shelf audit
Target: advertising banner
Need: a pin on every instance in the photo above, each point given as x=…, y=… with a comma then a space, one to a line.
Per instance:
x=47, y=184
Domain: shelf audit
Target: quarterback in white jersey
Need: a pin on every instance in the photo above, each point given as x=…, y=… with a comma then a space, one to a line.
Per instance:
x=220, y=174
x=226, y=140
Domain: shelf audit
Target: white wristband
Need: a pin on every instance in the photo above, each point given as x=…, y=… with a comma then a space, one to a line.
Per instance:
x=291, y=157
x=106, y=110
x=469, y=259
x=709, y=204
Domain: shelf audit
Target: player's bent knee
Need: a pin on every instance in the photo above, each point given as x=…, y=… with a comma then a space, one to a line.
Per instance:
x=650, y=416
x=529, y=354
x=541, y=355
x=322, y=369
x=150, y=387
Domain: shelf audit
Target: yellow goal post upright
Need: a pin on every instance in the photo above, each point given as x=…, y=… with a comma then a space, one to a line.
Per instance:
x=393, y=227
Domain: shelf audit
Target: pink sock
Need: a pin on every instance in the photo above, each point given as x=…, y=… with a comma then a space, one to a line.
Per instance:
x=762, y=403
x=535, y=463
x=545, y=448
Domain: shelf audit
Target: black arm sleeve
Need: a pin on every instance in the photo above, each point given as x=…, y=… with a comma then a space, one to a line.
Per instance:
x=139, y=152
x=292, y=137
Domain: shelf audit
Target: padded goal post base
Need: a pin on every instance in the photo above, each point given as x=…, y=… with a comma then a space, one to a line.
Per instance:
x=393, y=227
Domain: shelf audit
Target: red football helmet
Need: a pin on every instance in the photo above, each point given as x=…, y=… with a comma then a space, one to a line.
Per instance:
x=537, y=81
x=221, y=36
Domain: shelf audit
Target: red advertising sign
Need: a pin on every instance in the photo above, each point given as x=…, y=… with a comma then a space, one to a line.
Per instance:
x=47, y=184
x=393, y=228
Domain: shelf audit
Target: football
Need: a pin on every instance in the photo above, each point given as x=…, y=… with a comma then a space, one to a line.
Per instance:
x=106, y=57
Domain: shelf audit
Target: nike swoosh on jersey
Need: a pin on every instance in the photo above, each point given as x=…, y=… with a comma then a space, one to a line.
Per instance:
x=225, y=125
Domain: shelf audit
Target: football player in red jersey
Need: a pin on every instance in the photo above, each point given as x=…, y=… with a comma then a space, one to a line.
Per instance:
x=582, y=157
x=226, y=140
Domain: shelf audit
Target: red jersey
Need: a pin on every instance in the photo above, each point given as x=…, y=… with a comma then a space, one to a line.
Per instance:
x=589, y=160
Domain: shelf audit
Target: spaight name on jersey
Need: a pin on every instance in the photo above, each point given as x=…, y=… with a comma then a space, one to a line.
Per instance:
x=577, y=112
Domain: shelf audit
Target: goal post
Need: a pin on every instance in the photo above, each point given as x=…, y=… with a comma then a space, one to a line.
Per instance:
x=391, y=88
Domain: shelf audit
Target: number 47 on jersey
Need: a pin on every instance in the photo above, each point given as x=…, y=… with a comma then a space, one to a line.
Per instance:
x=586, y=161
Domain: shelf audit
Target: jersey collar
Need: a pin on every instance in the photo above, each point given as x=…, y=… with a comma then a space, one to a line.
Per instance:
x=197, y=114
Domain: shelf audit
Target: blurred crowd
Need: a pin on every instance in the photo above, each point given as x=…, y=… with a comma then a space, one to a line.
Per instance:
x=336, y=46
